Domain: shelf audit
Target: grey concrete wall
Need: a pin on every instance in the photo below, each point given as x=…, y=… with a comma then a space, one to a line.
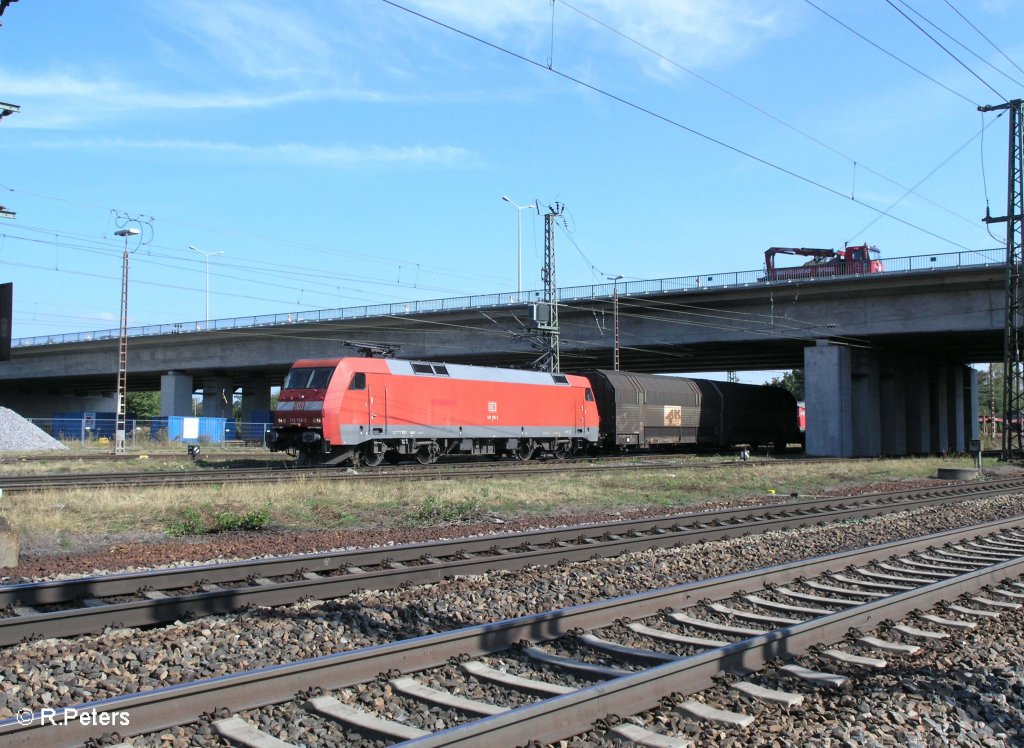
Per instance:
x=39, y=402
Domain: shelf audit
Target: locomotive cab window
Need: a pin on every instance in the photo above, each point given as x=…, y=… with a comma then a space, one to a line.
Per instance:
x=313, y=378
x=589, y=397
x=358, y=381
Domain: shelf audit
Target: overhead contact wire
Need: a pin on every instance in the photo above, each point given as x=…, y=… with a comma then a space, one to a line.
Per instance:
x=670, y=121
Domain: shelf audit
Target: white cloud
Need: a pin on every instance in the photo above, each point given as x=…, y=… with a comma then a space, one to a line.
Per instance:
x=261, y=39
x=689, y=32
x=65, y=99
x=295, y=154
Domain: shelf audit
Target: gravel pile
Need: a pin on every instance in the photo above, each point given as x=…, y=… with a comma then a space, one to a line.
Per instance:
x=19, y=435
x=52, y=673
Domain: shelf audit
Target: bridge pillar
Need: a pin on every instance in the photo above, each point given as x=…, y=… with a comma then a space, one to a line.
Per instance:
x=957, y=437
x=919, y=427
x=218, y=397
x=828, y=394
x=255, y=400
x=866, y=404
x=893, y=394
x=176, y=394
x=938, y=408
x=865, y=380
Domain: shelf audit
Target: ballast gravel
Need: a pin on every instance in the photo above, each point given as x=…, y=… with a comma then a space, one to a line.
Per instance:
x=20, y=435
x=56, y=673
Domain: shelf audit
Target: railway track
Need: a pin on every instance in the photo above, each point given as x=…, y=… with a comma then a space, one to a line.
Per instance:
x=85, y=605
x=442, y=471
x=550, y=676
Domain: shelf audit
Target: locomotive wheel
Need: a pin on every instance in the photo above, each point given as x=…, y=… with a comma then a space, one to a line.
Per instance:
x=308, y=459
x=525, y=451
x=426, y=456
x=560, y=452
x=371, y=458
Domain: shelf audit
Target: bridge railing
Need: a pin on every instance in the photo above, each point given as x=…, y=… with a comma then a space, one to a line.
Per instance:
x=914, y=264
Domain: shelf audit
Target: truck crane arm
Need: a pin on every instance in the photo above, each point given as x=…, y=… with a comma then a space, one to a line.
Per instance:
x=818, y=254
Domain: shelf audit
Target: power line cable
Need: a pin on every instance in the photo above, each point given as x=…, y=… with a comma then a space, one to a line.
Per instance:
x=760, y=110
x=997, y=49
x=941, y=46
x=670, y=121
x=375, y=258
x=925, y=178
x=953, y=39
x=883, y=50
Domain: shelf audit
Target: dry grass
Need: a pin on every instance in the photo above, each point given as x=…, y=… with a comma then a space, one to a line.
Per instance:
x=44, y=518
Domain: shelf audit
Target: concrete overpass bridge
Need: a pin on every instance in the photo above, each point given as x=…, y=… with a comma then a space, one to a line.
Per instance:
x=884, y=354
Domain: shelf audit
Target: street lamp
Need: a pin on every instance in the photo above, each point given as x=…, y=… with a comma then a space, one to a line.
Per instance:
x=519, y=255
x=122, y=348
x=615, y=316
x=207, y=255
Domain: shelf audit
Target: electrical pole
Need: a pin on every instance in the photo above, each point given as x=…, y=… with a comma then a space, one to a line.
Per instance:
x=615, y=317
x=547, y=320
x=1013, y=334
x=122, y=349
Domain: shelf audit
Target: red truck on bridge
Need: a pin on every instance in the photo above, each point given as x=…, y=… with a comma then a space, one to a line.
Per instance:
x=823, y=263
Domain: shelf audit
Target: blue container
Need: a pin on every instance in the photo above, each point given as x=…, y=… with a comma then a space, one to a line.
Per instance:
x=195, y=430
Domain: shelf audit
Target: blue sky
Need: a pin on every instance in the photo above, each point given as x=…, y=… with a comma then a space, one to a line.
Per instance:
x=348, y=152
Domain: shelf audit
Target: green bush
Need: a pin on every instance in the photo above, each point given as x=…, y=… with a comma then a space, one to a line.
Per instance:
x=190, y=523
x=193, y=522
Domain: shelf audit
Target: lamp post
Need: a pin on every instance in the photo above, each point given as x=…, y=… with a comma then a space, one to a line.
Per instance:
x=615, y=316
x=207, y=255
x=122, y=348
x=519, y=254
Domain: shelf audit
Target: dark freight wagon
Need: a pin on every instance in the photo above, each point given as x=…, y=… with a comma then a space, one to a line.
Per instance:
x=650, y=410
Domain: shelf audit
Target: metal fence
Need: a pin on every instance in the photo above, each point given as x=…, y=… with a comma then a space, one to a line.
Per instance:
x=696, y=283
x=138, y=432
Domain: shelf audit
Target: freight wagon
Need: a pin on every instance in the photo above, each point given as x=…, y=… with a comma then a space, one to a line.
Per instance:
x=656, y=411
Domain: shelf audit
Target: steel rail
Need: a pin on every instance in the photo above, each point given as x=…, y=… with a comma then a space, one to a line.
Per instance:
x=561, y=717
x=162, y=708
x=433, y=561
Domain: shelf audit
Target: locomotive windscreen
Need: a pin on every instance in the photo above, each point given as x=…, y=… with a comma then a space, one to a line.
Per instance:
x=313, y=378
x=6, y=314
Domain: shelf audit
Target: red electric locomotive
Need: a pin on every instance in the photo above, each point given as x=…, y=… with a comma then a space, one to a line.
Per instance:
x=371, y=410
